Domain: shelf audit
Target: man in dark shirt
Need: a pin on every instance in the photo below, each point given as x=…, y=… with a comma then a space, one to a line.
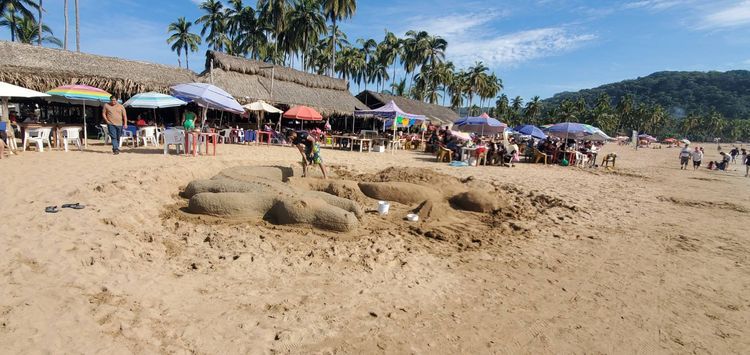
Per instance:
x=309, y=148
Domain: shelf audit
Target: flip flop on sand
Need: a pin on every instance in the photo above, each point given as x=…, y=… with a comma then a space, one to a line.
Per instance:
x=75, y=206
x=51, y=209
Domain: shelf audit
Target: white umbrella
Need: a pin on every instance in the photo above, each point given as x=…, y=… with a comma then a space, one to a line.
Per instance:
x=261, y=107
x=8, y=91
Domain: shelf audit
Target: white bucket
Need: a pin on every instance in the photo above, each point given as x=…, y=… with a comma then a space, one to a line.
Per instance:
x=383, y=207
x=412, y=217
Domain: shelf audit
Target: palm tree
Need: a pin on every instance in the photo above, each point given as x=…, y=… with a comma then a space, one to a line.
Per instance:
x=27, y=30
x=78, y=27
x=65, y=9
x=273, y=15
x=214, y=22
x=415, y=51
x=40, y=28
x=391, y=49
x=533, y=109
x=368, y=50
x=502, y=107
x=400, y=88
x=458, y=87
x=444, y=76
x=378, y=71
x=15, y=7
x=476, y=80
x=339, y=39
x=308, y=23
x=182, y=39
x=624, y=110
x=336, y=10
x=350, y=64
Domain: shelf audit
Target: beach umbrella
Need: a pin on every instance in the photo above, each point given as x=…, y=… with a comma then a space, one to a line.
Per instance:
x=207, y=96
x=303, y=113
x=647, y=137
x=261, y=107
x=570, y=130
x=154, y=100
x=80, y=94
x=480, y=125
x=8, y=91
x=530, y=130
x=461, y=135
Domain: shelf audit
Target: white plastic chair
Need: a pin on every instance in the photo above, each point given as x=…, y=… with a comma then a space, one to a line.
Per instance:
x=225, y=136
x=127, y=136
x=159, y=134
x=71, y=134
x=38, y=136
x=176, y=138
x=103, y=133
x=146, y=135
x=581, y=159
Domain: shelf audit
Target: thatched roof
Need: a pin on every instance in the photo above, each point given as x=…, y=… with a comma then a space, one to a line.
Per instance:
x=42, y=69
x=435, y=113
x=250, y=80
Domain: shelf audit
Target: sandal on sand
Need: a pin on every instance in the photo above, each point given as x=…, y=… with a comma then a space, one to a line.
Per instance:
x=51, y=209
x=75, y=206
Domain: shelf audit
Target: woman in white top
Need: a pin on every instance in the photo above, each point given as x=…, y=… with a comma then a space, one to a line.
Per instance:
x=697, y=158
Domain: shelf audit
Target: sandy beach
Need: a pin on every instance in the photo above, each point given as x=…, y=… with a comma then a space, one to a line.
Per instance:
x=644, y=258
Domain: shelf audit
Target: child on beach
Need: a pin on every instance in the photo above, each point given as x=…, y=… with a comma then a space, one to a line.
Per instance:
x=697, y=158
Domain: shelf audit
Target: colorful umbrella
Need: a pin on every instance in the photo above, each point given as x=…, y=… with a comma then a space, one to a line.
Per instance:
x=570, y=130
x=80, y=94
x=303, y=113
x=154, y=100
x=530, y=130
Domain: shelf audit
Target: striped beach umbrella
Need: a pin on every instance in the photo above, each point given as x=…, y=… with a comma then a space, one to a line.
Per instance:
x=80, y=94
x=154, y=100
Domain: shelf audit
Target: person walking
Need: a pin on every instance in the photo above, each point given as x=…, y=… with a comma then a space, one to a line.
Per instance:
x=685, y=157
x=697, y=158
x=117, y=120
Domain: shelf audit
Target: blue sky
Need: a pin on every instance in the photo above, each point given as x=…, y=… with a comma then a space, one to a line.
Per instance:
x=537, y=47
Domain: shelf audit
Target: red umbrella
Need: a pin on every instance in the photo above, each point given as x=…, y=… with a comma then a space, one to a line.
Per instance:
x=303, y=113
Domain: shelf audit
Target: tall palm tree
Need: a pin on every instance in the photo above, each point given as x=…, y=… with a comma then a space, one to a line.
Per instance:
x=400, y=88
x=502, y=106
x=368, y=50
x=65, y=9
x=40, y=29
x=336, y=10
x=340, y=41
x=213, y=21
x=15, y=7
x=273, y=15
x=458, y=87
x=78, y=27
x=182, y=39
x=391, y=49
x=308, y=23
x=515, y=107
x=415, y=51
x=444, y=76
x=533, y=109
x=476, y=80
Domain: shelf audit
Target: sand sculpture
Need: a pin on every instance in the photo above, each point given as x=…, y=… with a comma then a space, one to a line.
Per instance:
x=275, y=195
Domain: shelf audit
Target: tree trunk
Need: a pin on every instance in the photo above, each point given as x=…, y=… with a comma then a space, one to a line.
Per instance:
x=41, y=2
x=13, y=27
x=65, y=9
x=187, y=62
x=333, y=47
x=78, y=28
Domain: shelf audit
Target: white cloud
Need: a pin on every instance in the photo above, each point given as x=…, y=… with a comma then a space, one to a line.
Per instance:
x=735, y=15
x=654, y=4
x=471, y=37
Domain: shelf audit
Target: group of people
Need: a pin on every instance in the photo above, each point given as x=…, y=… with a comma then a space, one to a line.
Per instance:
x=697, y=154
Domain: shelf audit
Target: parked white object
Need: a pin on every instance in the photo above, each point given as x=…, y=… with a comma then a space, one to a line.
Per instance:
x=383, y=207
x=412, y=217
x=176, y=138
x=127, y=136
x=148, y=135
x=38, y=136
x=71, y=134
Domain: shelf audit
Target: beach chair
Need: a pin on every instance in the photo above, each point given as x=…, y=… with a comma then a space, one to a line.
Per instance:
x=71, y=134
x=539, y=156
x=39, y=136
x=609, y=158
x=581, y=159
x=225, y=136
x=148, y=135
x=127, y=136
x=443, y=154
x=176, y=138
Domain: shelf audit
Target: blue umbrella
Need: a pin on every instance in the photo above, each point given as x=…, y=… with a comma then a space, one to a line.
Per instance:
x=570, y=130
x=530, y=130
x=154, y=100
x=481, y=124
x=207, y=96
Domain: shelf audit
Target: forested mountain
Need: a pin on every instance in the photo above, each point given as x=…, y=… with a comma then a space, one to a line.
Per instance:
x=679, y=93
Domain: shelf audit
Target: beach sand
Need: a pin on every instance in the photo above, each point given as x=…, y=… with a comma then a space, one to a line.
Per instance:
x=644, y=258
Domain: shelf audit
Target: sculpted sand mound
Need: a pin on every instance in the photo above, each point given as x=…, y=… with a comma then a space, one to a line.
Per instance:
x=401, y=192
x=476, y=201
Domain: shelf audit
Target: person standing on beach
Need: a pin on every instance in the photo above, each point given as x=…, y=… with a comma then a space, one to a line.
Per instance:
x=309, y=148
x=747, y=165
x=685, y=157
x=117, y=120
x=697, y=158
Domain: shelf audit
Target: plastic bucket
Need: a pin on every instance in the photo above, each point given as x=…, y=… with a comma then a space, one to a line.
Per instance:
x=383, y=207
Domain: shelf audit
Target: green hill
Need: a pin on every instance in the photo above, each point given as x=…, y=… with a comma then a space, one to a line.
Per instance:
x=680, y=93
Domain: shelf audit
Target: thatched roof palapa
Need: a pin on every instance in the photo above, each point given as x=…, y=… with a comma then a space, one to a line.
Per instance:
x=43, y=69
x=435, y=113
x=250, y=80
